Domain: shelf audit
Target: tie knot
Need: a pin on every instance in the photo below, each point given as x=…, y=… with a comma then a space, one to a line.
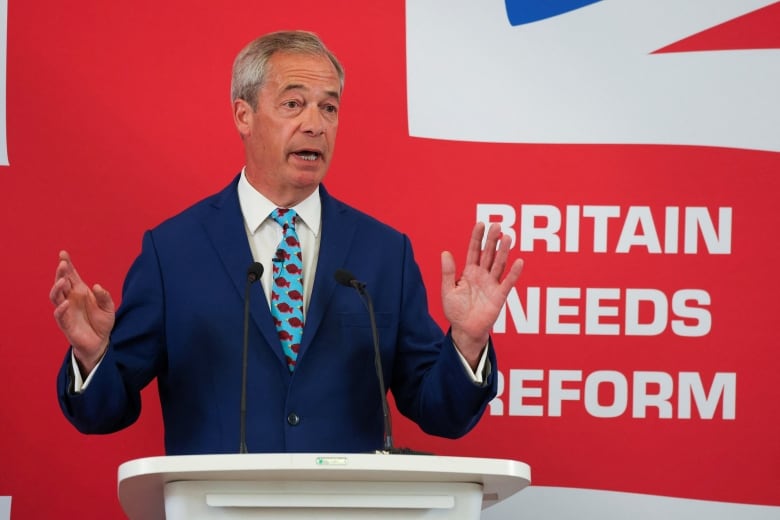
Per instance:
x=285, y=217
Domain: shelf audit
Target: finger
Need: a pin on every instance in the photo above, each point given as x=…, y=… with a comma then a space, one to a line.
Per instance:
x=475, y=244
x=59, y=291
x=61, y=315
x=66, y=269
x=512, y=276
x=491, y=241
x=502, y=257
x=63, y=265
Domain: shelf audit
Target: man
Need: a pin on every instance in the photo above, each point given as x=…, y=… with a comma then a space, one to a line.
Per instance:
x=181, y=317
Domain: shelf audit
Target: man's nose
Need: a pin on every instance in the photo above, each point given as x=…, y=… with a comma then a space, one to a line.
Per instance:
x=312, y=121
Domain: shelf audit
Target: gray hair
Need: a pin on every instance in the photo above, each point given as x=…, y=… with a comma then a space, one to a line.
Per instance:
x=250, y=66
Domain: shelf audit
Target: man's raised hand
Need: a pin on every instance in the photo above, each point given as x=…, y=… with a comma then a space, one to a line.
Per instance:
x=85, y=315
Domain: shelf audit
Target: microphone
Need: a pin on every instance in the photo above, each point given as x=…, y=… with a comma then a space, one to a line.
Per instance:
x=253, y=274
x=347, y=279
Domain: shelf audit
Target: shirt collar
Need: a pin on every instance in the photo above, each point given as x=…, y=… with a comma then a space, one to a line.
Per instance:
x=256, y=207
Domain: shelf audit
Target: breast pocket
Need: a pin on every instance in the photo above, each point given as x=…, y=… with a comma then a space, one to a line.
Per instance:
x=356, y=331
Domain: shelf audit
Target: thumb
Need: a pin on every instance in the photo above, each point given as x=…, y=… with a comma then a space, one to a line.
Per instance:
x=447, y=270
x=103, y=298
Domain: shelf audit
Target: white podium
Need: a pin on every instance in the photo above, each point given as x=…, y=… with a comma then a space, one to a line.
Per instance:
x=303, y=485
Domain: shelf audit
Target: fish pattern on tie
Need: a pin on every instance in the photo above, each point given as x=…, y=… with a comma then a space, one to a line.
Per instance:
x=287, y=291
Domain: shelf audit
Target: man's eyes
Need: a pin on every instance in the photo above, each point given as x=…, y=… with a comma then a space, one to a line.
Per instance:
x=296, y=105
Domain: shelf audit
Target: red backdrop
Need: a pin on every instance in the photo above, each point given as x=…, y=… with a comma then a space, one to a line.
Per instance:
x=118, y=116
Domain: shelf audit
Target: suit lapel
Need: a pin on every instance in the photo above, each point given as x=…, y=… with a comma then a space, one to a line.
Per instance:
x=227, y=232
x=338, y=231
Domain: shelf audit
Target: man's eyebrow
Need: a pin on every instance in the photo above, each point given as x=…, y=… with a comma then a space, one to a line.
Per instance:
x=299, y=86
x=294, y=86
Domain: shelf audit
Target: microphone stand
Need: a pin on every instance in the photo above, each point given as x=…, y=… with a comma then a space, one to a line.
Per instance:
x=254, y=273
x=346, y=278
x=387, y=444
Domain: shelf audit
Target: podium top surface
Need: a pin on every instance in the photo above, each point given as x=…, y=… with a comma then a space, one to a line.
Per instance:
x=141, y=482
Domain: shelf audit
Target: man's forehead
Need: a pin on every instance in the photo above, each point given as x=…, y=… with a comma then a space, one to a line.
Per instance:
x=303, y=71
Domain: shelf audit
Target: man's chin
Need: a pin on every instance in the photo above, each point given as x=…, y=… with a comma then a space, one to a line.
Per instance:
x=309, y=179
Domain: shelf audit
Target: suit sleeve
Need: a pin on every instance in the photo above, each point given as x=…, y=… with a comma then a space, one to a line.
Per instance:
x=430, y=384
x=135, y=354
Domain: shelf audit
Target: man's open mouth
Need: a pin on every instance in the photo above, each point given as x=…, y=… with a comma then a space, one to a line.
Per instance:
x=307, y=155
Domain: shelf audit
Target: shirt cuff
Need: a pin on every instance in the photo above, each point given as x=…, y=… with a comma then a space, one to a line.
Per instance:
x=483, y=367
x=79, y=384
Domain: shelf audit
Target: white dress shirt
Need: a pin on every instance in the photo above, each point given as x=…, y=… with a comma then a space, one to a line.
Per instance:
x=265, y=234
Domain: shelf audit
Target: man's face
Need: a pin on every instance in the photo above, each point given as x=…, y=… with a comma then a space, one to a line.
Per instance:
x=290, y=138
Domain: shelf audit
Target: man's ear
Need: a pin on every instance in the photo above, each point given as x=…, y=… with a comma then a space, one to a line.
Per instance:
x=242, y=117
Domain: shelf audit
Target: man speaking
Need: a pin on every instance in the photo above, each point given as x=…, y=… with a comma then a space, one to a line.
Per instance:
x=311, y=382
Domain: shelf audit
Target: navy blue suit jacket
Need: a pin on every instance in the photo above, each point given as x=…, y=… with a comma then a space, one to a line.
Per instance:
x=181, y=321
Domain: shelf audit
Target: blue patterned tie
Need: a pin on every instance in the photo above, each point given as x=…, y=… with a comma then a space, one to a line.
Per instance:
x=287, y=292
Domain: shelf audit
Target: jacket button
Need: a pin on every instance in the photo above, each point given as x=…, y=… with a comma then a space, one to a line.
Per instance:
x=293, y=419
